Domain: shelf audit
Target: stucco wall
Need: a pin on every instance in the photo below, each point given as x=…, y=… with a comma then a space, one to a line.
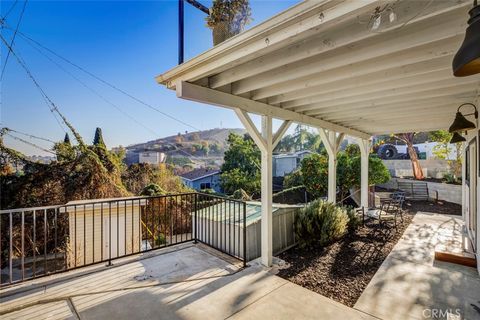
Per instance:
x=214, y=181
x=446, y=192
x=431, y=168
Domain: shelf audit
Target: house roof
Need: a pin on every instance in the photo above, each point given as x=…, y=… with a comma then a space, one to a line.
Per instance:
x=320, y=64
x=199, y=173
x=292, y=155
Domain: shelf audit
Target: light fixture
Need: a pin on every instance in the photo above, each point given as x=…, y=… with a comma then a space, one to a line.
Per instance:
x=456, y=137
x=461, y=123
x=467, y=60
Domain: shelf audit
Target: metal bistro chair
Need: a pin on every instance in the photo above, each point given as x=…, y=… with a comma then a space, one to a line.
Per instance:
x=388, y=209
x=394, y=206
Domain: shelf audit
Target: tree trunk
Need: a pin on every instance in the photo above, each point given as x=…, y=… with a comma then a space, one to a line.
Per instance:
x=417, y=169
x=408, y=139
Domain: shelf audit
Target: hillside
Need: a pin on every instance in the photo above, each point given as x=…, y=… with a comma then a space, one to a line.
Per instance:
x=212, y=136
x=197, y=148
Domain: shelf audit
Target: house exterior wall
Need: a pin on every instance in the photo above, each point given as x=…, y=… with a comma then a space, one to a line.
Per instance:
x=213, y=180
x=431, y=168
x=89, y=232
x=284, y=165
x=471, y=198
x=151, y=157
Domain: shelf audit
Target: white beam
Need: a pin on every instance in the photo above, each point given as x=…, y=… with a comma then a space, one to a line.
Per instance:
x=410, y=36
x=339, y=140
x=297, y=23
x=343, y=34
x=364, y=185
x=331, y=142
x=266, y=179
x=419, y=127
x=411, y=83
x=376, y=77
x=412, y=118
x=193, y=92
x=391, y=94
x=250, y=126
x=388, y=112
x=462, y=91
x=421, y=54
x=280, y=132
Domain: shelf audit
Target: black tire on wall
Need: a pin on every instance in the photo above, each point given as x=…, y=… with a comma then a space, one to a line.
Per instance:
x=387, y=151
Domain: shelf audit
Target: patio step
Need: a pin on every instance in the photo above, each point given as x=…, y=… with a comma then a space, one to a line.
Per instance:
x=463, y=258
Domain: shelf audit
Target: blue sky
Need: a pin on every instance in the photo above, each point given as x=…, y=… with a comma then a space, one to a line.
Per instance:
x=125, y=43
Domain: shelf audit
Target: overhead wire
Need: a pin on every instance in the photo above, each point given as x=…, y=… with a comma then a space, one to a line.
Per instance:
x=95, y=92
x=29, y=135
x=148, y=105
x=9, y=10
x=111, y=103
x=29, y=143
x=13, y=38
x=53, y=108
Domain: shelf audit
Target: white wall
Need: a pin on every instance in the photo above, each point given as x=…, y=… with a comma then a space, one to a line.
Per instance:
x=446, y=192
x=472, y=134
x=431, y=168
x=151, y=157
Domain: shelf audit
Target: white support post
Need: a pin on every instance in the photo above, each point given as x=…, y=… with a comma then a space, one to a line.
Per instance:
x=266, y=227
x=332, y=142
x=266, y=141
x=364, y=152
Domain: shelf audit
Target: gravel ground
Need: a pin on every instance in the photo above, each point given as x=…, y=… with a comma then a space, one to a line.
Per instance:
x=342, y=270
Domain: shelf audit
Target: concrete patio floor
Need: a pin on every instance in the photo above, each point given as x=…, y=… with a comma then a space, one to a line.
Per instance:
x=410, y=284
x=192, y=282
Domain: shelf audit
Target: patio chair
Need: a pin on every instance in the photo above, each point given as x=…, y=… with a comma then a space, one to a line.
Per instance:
x=389, y=209
x=394, y=205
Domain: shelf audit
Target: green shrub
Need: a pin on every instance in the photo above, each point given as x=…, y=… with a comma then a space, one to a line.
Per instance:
x=450, y=178
x=354, y=220
x=292, y=195
x=315, y=167
x=352, y=150
x=153, y=190
x=321, y=222
x=294, y=179
x=241, y=194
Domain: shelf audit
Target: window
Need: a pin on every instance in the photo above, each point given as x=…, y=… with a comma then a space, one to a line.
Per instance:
x=205, y=186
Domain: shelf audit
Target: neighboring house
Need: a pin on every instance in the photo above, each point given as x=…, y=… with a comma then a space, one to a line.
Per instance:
x=284, y=164
x=151, y=157
x=202, y=178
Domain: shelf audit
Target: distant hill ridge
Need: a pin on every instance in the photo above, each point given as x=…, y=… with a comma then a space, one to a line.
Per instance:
x=217, y=135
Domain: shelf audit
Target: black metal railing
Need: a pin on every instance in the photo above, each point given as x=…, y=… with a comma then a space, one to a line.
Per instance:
x=40, y=241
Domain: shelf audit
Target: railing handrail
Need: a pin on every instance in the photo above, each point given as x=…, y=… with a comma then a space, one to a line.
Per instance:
x=221, y=197
x=84, y=233
x=97, y=201
x=14, y=210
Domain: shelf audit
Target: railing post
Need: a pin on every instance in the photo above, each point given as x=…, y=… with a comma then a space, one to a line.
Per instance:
x=244, y=234
x=195, y=229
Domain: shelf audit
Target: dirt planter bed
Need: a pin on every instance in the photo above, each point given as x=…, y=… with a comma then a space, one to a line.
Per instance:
x=342, y=270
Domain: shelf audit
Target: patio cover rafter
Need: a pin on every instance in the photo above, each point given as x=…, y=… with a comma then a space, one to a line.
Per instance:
x=198, y=93
x=319, y=64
